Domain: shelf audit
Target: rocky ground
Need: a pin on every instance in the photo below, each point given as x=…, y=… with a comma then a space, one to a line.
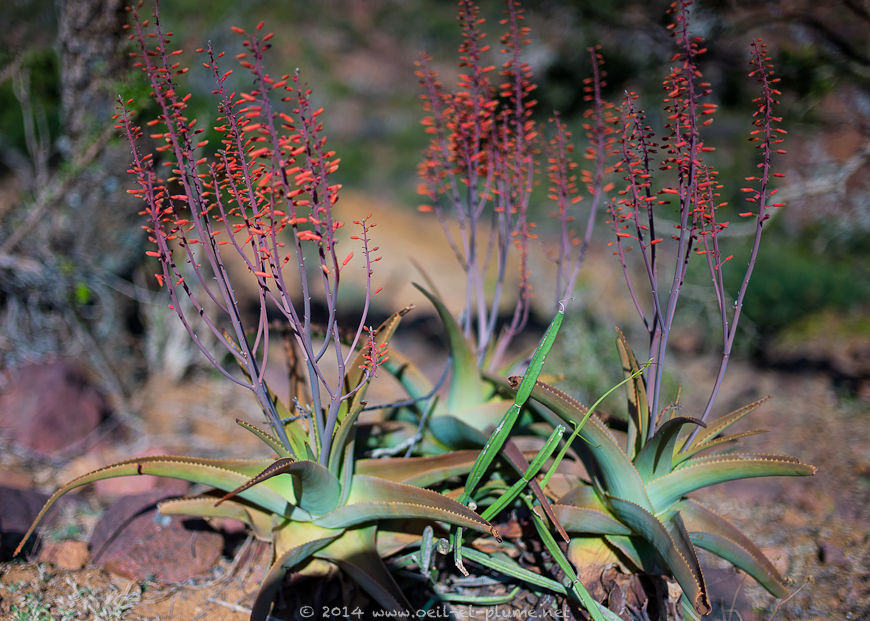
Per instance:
x=104, y=555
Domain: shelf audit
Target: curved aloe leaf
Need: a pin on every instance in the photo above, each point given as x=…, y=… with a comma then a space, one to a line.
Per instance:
x=297, y=542
x=704, y=471
x=679, y=458
x=591, y=554
x=225, y=474
x=408, y=374
x=347, y=468
x=456, y=433
x=655, y=459
x=390, y=542
x=714, y=428
x=357, y=555
x=259, y=521
x=419, y=471
x=599, y=450
x=344, y=434
x=583, y=495
x=266, y=437
x=318, y=491
x=590, y=521
x=638, y=552
x=672, y=544
x=372, y=499
x=711, y=531
x=638, y=403
x=294, y=428
x=466, y=384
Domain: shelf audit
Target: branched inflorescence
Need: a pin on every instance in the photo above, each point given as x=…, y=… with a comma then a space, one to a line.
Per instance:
x=265, y=196
x=694, y=191
x=479, y=171
x=600, y=128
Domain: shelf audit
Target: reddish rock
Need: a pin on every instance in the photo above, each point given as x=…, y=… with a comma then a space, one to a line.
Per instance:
x=67, y=554
x=136, y=542
x=51, y=408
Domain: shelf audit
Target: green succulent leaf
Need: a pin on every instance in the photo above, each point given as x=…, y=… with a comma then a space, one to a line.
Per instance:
x=224, y=474
x=294, y=428
x=347, y=468
x=267, y=437
x=591, y=553
x=505, y=565
x=655, y=459
x=373, y=499
x=408, y=374
x=503, y=430
x=467, y=386
x=638, y=403
x=711, y=531
x=718, y=441
x=259, y=521
x=318, y=491
x=390, y=542
x=357, y=555
x=419, y=471
x=589, y=521
x=637, y=551
x=671, y=542
x=583, y=495
x=345, y=434
x=705, y=471
x=295, y=543
x=716, y=427
x=599, y=450
x=458, y=434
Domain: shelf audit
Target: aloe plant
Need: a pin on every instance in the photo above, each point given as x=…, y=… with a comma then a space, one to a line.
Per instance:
x=314, y=500
x=312, y=512
x=636, y=496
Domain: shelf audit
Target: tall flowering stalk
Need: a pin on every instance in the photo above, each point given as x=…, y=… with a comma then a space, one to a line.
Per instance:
x=695, y=191
x=266, y=197
x=599, y=125
x=759, y=195
x=480, y=160
x=479, y=170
